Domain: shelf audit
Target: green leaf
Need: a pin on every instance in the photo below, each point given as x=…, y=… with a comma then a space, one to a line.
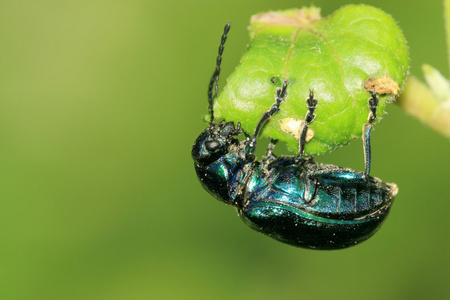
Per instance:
x=334, y=56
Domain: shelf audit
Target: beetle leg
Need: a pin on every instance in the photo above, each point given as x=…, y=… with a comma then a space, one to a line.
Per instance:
x=279, y=98
x=269, y=157
x=311, y=103
x=367, y=128
x=270, y=148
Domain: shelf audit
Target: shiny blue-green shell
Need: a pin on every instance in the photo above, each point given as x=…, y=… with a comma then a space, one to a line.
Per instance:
x=315, y=206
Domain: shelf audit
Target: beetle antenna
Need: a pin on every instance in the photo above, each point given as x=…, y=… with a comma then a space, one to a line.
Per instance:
x=279, y=98
x=214, y=82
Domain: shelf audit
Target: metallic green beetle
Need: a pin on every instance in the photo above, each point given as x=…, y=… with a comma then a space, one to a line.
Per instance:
x=291, y=198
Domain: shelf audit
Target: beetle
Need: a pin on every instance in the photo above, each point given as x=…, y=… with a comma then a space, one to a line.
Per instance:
x=292, y=199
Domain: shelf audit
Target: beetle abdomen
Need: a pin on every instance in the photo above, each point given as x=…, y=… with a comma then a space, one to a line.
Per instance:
x=317, y=206
x=354, y=198
x=296, y=227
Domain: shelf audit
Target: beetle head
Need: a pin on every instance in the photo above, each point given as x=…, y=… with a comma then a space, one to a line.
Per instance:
x=214, y=141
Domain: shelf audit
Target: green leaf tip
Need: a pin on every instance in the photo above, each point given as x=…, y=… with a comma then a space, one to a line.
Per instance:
x=334, y=56
x=428, y=103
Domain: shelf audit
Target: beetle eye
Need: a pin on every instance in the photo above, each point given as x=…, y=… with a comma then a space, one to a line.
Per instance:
x=212, y=145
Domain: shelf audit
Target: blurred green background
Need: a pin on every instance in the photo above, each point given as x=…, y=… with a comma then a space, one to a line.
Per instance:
x=100, y=102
